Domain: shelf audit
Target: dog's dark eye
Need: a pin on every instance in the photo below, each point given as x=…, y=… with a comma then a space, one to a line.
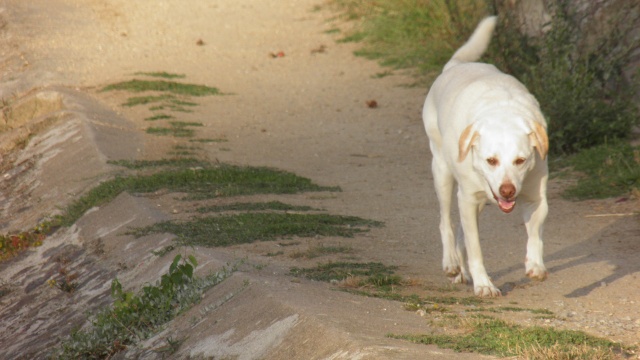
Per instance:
x=492, y=161
x=519, y=161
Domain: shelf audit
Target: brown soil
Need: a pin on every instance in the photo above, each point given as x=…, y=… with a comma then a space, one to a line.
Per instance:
x=304, y=110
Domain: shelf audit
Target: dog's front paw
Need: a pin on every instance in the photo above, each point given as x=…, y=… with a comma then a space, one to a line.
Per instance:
x=483, y=287
x=487, y=291
x=536, y=271
x=457, y=274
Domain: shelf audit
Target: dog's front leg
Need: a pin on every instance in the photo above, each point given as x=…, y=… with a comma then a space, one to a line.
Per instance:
x=534, y=212
x=534, y=215
x=469, y=210
x=452, y=255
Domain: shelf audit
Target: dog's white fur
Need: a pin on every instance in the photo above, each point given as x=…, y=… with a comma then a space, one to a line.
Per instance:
x=487, y=133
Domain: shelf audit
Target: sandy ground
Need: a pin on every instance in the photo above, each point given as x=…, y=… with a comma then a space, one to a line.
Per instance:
x=304, y=112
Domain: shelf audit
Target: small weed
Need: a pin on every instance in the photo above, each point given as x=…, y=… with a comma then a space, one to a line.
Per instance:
x=12, y=244
x=274, y=254
x=488, y=335
x=179, y=102
x=170, y=131
x=161, y=74
x=159, y=117
x=172, y=87
x=226, y=230
x=66, y=280
x=135, y=317
x=145, y=100
x=172, y=107
x=371, y=272
x=184, y=147
x=164, y=251
x=293, y=243
x=262, y=206
x=184, y=124
x=173, y=345
x=176, y=128
x=144, y=164
x=208, y=140
x=64, y=284
x=382, y=74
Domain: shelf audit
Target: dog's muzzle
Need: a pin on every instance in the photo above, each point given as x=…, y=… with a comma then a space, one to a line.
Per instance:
x=506, y=200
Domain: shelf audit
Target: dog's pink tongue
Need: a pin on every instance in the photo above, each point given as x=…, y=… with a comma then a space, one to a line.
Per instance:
x=506, y=205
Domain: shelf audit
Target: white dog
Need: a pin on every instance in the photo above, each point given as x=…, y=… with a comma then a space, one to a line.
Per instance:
x=487, y=133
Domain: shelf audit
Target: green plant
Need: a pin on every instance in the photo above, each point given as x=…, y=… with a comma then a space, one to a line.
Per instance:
x=198, y=179
x=208, y=140
x=174, y=163
x=159, y=117
x=371, y=273
x=144, y=100
x=135, y=317
x=603, y=171
x=161, y=74
x=226, y=230
x=66, y=280
x=488, y=335
x=170, y=131
x=172, y=87
x=580, y=87
x=164, y=251
x=262, y=206
x=12, y=244
x=412, y=34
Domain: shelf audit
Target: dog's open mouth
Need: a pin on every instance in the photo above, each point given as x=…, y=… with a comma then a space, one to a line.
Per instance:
x=506, y=206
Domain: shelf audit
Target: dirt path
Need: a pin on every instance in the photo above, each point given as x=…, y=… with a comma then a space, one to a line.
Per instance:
x=306, y=112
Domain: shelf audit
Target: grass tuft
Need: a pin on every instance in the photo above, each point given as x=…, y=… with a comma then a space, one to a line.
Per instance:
x=161, y=74
x=411, y=34
x=604, y=171
x=262, y=206
x=372, y=272
x=492, y=336
x=159, y=117
x=198, y=182
x=226, y=230
x=144, y=100
x=172, y=87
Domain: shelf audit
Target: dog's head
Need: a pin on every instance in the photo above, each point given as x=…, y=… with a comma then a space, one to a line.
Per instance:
x=504, y=152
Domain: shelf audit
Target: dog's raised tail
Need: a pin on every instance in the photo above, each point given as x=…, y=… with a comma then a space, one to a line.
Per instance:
x=477, y=44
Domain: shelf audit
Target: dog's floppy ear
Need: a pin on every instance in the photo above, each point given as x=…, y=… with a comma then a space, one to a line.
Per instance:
x=539, y=139
x=467, y=140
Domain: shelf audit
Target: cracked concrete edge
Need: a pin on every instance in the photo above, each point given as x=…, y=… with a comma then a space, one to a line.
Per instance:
x=58, y=155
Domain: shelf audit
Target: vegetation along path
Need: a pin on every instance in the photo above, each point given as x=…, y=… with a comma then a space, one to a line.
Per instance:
x=226, y=179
